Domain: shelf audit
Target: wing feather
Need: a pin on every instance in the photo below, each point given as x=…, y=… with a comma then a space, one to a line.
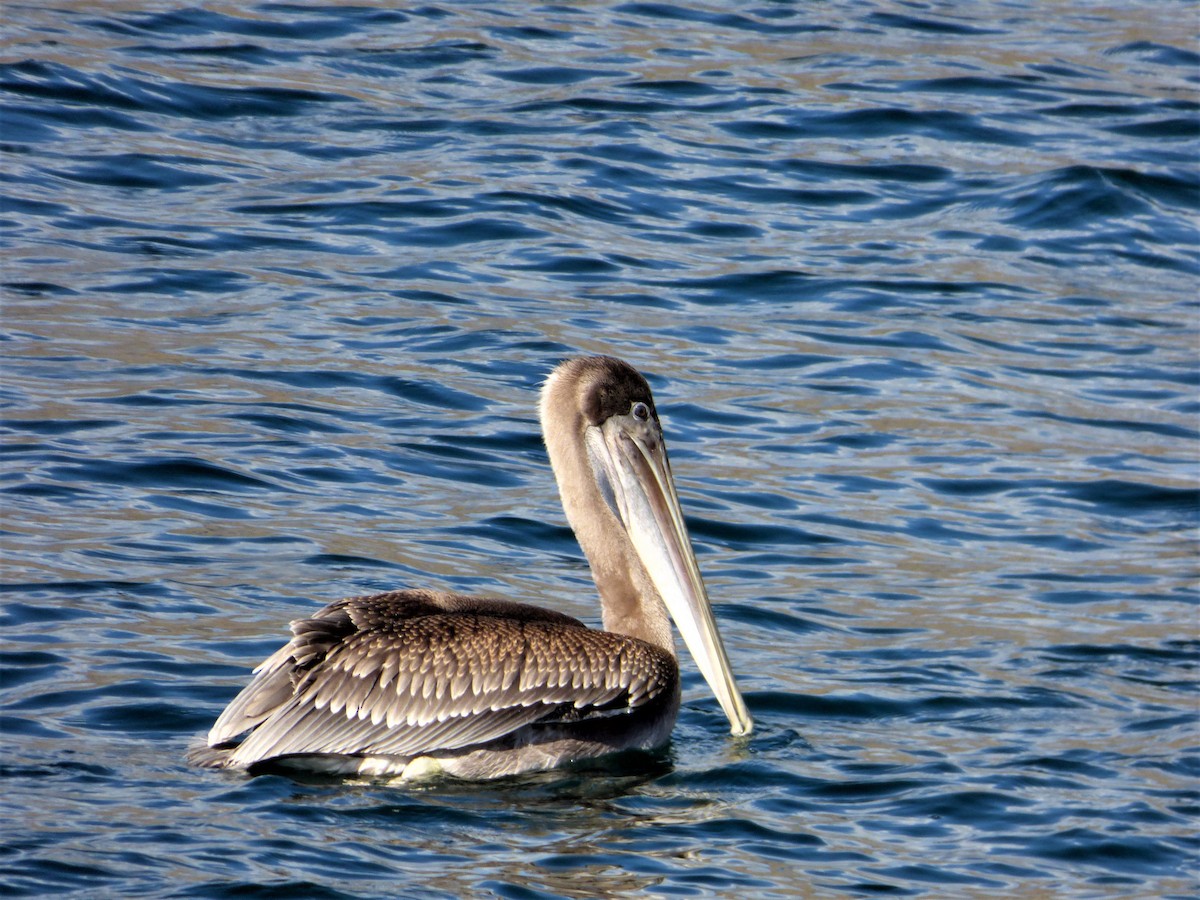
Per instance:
x=415, y=672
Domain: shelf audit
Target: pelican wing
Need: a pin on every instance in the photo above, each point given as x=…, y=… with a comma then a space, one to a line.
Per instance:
x=415, y=672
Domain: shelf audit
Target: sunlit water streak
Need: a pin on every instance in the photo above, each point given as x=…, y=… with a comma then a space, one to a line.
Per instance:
x=915, y=288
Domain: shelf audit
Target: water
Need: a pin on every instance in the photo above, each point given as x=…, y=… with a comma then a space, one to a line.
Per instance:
x=914, y=283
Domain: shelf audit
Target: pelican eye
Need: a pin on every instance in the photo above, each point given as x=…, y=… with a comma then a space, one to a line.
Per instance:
x=640, y=411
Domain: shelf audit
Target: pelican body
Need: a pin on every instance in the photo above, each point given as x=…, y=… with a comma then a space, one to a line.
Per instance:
x=413, y=683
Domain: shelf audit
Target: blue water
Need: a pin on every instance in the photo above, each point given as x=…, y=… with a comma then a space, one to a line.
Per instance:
x=915, y=286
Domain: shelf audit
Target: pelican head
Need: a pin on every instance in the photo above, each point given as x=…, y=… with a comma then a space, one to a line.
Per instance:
x=606, y=447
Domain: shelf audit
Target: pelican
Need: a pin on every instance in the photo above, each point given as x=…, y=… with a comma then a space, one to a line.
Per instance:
x=416, y=683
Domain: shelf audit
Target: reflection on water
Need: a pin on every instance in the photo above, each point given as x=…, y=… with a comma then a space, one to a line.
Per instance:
x=915, y=291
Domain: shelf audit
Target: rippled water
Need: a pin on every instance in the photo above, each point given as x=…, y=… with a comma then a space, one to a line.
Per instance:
x=914, y=283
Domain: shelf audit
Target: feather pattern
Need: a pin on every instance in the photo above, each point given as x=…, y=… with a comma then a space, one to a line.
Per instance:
x=410, y=673
x=415, y=682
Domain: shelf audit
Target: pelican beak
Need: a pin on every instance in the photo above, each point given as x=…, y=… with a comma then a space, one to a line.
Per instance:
x=629, y=459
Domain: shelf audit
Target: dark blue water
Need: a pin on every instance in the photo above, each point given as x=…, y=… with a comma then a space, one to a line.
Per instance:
x=914, y=283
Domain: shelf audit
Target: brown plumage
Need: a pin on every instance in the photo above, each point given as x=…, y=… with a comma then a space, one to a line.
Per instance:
x=411, y=682
x=411, y=673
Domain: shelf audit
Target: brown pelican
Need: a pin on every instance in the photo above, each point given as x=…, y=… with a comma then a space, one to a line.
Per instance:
x=412, y=683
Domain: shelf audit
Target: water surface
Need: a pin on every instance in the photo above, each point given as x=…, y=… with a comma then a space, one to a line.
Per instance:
x=915, y=286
